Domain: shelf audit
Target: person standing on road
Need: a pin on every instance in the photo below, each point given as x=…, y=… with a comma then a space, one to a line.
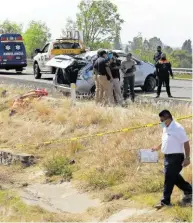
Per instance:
x=128, y=68
x=164, y=70
x=115, y=65
x=98, y=89
x=158, y=54
x=104, y=78
x=176, y=148
x=157, y=57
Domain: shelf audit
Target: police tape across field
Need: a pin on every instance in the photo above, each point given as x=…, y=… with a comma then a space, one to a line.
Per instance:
x=96, y=135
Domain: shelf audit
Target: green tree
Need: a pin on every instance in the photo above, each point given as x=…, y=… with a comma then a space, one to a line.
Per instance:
x=99, y=20
x=154, y=43
x=182, y=58
x=168, y=49
x=137, y=43
x=103, y=45
x=36, y=35
x=10, y=27
x=187, y=46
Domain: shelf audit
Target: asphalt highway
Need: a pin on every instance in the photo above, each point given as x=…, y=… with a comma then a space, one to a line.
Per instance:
x=180, y=89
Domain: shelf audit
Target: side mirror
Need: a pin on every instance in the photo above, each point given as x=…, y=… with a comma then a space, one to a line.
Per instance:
x=37, y=51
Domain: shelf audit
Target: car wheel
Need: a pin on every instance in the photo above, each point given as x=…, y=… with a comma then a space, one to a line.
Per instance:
x=92, y=92
x=37, y=73
x=150, y=84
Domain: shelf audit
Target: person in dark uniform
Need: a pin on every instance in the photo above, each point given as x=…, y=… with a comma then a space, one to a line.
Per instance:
x=115, y=65
x=164, y=70
x=95, y=75
x=157, y=57
x=104, y=78
x=158, y=54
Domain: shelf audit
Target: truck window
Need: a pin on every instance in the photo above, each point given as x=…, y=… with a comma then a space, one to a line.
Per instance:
x=7, y=47
x=66, y=45
x=45, y=49
x=17, y=47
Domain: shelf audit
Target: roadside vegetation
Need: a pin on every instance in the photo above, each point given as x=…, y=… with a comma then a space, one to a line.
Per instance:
x=107, y=165
x=183, y=76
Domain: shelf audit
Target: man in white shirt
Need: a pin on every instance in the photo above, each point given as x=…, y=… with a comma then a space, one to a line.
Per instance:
x=176, y=148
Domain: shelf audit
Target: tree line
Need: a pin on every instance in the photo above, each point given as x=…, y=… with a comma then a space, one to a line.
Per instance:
x=101, y=24
x=145, y=49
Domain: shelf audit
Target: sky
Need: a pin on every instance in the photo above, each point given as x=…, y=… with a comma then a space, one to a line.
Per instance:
x=170, y=20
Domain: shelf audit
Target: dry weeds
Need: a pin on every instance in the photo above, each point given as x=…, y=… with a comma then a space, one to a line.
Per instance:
x=108, y=164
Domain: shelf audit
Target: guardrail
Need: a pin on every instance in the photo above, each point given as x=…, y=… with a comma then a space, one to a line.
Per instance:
x=182, y=71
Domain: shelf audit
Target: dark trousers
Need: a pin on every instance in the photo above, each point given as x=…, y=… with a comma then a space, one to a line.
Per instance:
x=161, y=80
x=128, y=83
x=173, y=166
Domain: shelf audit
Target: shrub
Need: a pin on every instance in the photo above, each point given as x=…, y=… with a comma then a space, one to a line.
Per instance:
x=59, y=166
x=103, y=179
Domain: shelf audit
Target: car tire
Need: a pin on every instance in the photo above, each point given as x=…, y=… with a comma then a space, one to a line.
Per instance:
x=92, y=91
x=37, y=73
x=150, y=84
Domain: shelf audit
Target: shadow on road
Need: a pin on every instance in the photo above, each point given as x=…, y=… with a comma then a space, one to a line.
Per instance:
x=47, y=79
x=9, y=73
x=182, y=97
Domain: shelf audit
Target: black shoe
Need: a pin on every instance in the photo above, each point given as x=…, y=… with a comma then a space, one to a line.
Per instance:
x=157, y=96
x=170, y=96
x=186, y=200
x=133, y=99
x=161, y=205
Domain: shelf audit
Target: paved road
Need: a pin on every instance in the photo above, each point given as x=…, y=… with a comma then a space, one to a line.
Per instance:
x=181, y=90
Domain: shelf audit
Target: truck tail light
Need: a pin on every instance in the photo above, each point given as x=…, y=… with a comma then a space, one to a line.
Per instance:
x=9, y=57
x=3, y=38
x=19, y=38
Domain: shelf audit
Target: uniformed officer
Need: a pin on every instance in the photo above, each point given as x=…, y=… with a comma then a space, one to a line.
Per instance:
x=176, y=148
x=128, y=68
x=95, y=75
x=157, y=57
x=115, y=65
x=164, y=70
x=158, y=54
x=104, y=78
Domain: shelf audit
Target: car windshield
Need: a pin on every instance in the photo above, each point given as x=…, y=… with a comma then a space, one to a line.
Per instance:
x=66, y=45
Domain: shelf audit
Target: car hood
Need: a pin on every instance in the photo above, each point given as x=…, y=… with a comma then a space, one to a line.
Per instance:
x=62, y=61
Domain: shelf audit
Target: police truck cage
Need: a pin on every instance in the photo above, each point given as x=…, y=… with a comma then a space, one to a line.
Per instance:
x=71, y=35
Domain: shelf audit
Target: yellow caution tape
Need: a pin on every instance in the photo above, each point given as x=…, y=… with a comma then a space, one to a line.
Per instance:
x=97, y=134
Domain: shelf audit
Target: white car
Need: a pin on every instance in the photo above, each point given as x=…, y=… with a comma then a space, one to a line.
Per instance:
x=145, y=76
x=80, y=67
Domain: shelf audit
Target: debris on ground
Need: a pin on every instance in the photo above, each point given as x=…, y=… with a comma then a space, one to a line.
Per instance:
x=25, y=99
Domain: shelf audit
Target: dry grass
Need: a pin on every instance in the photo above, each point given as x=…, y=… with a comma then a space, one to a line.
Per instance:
x=108, y=164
